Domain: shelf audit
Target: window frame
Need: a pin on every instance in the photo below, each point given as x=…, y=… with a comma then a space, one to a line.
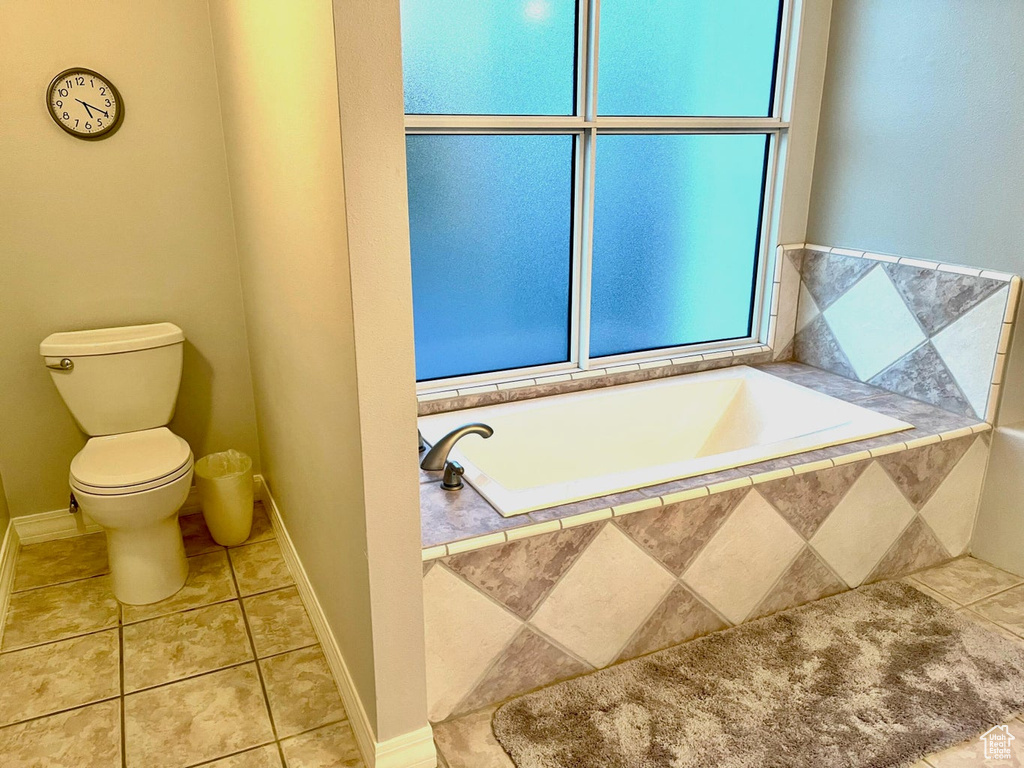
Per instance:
x=587, y=126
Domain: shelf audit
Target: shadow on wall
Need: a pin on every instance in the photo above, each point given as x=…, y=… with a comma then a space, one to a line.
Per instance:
x=193, y=423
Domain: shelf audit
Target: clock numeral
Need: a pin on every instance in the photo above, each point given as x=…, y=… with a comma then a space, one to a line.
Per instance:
x=59, y=104
x=99, y=123
x=79, y=80
x=63, y=92
x=107, y=102
x=88, y=126
x=92, y=83
x=103, y=91
x=76, y=121
x=70, y=84
x=67, y=116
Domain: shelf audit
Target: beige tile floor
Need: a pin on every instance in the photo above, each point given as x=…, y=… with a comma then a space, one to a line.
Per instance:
x=982, y=593
x=226, y=673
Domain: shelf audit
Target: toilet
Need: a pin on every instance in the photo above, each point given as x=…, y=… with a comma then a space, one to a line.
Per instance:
x=133, y=475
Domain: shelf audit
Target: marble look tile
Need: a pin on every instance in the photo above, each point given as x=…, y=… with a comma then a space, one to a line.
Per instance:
x=981, y=621
x=863, y=526
x=90, y=736
x=262, y=528
x=971, y=753
x=936, y=596
x=332, y=746
x=689, y=483
x=968, y=347
x=601, y=601
x=209, y=581
x=745, y=557
x=54, y=562
x=56, y=676
x=922, y=375
x=916, y=548
x=184, y=644
x=679, y=618
x=301, y=691
x=953, y=508
x=195, y=720
x=468, y=742
x=60, y=611
x=919, y=472
x=805, y=500
x=586, y=505
x=263, y=757
x=528, y=662
x=196, y=535
x=807, y=309
x=520, y=574
x=278, y=622
x=464, y=632
x=676, y=533
x=927, y=418
x=1005, y=609
x=828, y=276
x=816, y=345
x=259, y=567
x=807, y=579
x=873, y=325
x=939, y=298
x=454, y=515
x=967, y=580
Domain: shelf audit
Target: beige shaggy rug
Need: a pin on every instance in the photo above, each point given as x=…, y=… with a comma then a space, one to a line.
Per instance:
x=880, y=676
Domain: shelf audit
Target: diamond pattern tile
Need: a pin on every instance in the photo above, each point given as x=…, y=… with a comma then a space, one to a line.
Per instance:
x=676, y=533
x=923, y=333
x=916, y=548
x=968, y=347
x=807, y=579
x=863, y=526
x=919, y=472
x=465, y=632
x=680, y=617
x=742, y=561
x=528, y=662
x=873, y=325
x=520, y=574
x=806, y=500
x=610, y=590
x=953, y=508
x=923, y=375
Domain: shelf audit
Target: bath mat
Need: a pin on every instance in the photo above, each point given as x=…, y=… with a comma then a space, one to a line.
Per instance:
x=880, y=676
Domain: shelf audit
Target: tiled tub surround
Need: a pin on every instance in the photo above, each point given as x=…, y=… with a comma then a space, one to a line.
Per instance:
x=519, y=605
x=935, y=332
x=576, y=446
x=226, y=673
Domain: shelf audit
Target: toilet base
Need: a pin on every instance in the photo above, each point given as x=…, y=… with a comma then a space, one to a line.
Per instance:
x=147, y=563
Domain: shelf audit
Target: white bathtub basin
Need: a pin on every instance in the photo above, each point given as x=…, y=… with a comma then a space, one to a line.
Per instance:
x=580, y=445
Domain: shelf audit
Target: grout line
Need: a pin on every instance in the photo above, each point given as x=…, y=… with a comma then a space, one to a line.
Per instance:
x=232, y=754
x=58, y=640
x=63, y=711
x=120, y=675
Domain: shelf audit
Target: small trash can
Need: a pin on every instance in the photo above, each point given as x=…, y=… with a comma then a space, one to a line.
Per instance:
x=225, y=488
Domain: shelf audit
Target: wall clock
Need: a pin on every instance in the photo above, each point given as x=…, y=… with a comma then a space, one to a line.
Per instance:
x=85, y=103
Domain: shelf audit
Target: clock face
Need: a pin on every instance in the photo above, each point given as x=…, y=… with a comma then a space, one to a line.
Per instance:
x=84, y=103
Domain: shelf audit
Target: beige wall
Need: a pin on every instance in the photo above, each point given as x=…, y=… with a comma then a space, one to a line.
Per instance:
x=135, y=228
x=5, y=516
x=332, y=429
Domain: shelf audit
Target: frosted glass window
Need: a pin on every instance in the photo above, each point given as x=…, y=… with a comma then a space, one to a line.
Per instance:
x=490, y=220
x=489, y=57
x=687, y=57
x=676, y=231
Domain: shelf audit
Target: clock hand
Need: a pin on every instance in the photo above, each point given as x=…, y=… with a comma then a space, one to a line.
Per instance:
x=102, y=112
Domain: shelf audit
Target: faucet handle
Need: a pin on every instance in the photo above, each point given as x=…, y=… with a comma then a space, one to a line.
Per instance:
x=453, y=472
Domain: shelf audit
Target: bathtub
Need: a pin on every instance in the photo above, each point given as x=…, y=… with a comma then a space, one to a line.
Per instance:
x=555, y=450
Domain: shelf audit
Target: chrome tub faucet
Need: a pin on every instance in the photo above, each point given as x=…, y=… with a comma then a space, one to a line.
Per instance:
x=437, y=457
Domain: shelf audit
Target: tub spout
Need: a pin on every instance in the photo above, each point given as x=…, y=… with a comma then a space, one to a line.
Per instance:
x=438, y=454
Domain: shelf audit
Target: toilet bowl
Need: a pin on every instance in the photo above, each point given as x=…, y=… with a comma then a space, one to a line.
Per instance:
x=133, y=485
x=132, y=476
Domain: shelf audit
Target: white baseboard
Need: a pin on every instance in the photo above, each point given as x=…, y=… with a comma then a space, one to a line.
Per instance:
x=8, y=559
x=410, y=750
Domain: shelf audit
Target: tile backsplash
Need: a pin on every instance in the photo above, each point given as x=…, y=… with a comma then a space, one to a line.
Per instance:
x=934, y=332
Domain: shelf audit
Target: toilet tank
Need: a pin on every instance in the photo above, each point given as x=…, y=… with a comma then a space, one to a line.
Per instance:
x=118, y=379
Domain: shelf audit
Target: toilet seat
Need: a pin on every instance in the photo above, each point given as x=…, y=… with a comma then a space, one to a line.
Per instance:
x=130, y=462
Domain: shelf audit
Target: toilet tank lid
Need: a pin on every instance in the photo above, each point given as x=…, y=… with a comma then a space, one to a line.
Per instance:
x=109, y=341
